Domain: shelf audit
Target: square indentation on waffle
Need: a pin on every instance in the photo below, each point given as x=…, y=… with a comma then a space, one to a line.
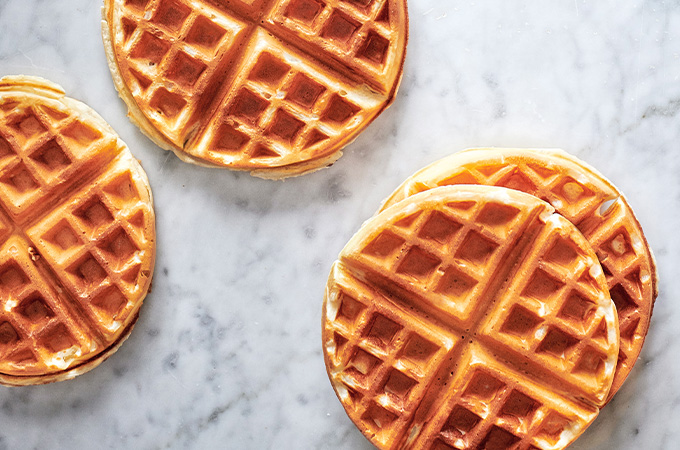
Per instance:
x=340, y=27
x=118, y=247
x=305, y=11
x=169, y=105
x=205, y=34
x=185, y=70
x=62, y=236
x=137, y=5
x=19, y=183
x=171, y=14
x=519, y=178
x=379, y=419
x=440, y=228
x=6, y=151
x=150, y=49
x=52, y=158
x=280, y=107
x=374, y=49
x=26, y=127
x=304, y=91
x=93, y=214
x=34, y=309
x=460, y=422
x=575, y=196
x=13, y=279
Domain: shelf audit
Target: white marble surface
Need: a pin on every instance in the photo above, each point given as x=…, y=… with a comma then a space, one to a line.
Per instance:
x=227, y=352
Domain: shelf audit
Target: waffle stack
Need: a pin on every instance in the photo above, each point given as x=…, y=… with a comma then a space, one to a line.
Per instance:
x=76, y=231
x=468, y=314
x=588, y=200
x=275, y=87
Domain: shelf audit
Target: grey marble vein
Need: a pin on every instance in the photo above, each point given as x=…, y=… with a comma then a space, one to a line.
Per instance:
x=227, y=351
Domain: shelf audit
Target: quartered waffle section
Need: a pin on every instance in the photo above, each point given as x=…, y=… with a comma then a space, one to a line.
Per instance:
x=42, y=148
x=492, y=405
x=38, y=333
x=477, y=274
x=381, y=360
x=362, y=34
x=590, y=202
x=284, y=109
x=77, y=234
x=99, y=242
x=256, y=85
x=171, y=56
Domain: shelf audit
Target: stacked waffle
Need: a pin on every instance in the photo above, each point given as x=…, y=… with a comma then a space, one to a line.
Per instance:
x=77, y=235
x=275, y=87
x=498, y=300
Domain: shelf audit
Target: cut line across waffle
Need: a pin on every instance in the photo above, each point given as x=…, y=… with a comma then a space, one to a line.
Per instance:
x=277, y=87
x=467, y=315
x=588, y=200
x=77, y=235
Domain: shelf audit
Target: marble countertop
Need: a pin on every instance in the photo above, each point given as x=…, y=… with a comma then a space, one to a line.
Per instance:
x=227, y=351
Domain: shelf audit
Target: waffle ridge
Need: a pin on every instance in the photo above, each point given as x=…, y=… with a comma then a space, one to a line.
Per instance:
x=184, y=66
x=442, y=298
x=82, y=174
x=588, y=200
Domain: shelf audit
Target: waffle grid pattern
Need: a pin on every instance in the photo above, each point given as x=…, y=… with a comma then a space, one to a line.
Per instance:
x=48, y=153
x=384, y=350
x=611, y=229
x=566, y=335
x=97, y=240
x=40, y=148
x=522, y=414
x=171, y=48
x=417, y=251
x=178, y=59
x=33, y=325
x=625, y=263
x=283, y=108
x=357, y=32
x=530, y=307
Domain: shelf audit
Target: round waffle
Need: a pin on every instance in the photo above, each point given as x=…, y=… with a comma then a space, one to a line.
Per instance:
x=275, y=87
x=469, y=317
x=585, y=197
x=76, y=235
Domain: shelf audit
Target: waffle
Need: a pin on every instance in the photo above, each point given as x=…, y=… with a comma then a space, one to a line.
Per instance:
x=469, y=317
x=274, y=87
x=76, y=235
x=588, y=200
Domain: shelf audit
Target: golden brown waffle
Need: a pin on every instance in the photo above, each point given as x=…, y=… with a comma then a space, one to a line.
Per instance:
x=76, y=235
x=585, y=197
x=469, y=317
x=275, y=87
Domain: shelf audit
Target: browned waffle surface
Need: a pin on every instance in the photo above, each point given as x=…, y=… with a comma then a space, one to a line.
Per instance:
x=77, y=232
x=276, y=87
x=588, y=200
x=466, y=317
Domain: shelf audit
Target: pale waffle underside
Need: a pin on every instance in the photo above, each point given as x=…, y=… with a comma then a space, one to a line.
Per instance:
x=589, y=201
x=466, y=317
x=276, y=87
x=76, y=235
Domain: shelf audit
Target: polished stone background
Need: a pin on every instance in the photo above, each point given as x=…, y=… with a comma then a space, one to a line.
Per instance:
x=227, y=352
